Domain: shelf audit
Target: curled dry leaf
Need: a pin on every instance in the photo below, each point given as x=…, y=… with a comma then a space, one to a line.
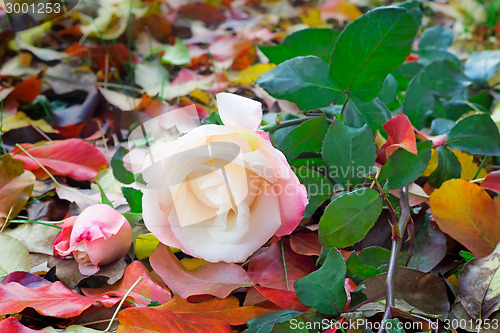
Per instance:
x=218, y=279
x=467, y=213
x=479, y=285
x=16, y=186
x=71, y=157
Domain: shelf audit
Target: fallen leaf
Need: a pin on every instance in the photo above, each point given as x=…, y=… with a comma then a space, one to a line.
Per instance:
x=11, y=324
x=278, y=267
x=26, y=279
x=71, y=157
x=427, y=293
x=305, y=243
x=54, y=300
x=145, y=245
x=13, y=256
x=64, y=78
x=478, y=284
x=114, y=55
x=492, y=181
x=16, y=186
x=71, y=329
x=146, y=291
x=218, y=279
x=226, y=310
x=466, y=212
x=28, y=90
x=20, y=119
x=250, y=74
x=162, y=321
x=35, y=237
x=286, y=299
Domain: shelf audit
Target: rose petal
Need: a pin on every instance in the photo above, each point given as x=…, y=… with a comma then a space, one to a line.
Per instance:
x=237, y=111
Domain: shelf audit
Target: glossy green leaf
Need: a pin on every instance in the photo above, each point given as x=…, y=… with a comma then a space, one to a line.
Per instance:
x=319, y=188
x=436, y=38
x=419, y=101
x=348, y=218
x=403, y=167
x=121, y=174
x=324, y=288
x=481, y=66
x=302, y=80
x=371, y=261
x=134, y=199
x=370, y=48
x=389, y=90
x=448, y=167
x=349, y=153
x=476, y=134
x=373, y=113
x=315, y=42
x=426, y=56
x=307, y=137
x=405, y=73
x=265, y=322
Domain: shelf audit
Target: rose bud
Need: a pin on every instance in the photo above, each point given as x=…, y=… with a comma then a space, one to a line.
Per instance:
x=98, y=236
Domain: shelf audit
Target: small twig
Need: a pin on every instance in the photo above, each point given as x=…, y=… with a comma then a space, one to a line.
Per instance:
x=7, y=218
x=46, y=223
x=121, y=303
x=343, y=107
x=480, y=167
x=396, y=247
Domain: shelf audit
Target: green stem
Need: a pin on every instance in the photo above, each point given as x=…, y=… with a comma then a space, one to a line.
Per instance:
x=121, y=303
x=47, y=223
x=283, y=124
x=480, y=167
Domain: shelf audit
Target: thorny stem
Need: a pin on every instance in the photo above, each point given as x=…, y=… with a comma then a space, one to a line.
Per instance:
x=121, y=303
x=287, y=123
x=396, y=247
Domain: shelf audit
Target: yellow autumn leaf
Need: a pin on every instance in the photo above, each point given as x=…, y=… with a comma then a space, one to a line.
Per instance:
x=467, y=165
x=192, y=263
x=20, y=119
x=250, y=74
x=312, y=18
x=495, y=115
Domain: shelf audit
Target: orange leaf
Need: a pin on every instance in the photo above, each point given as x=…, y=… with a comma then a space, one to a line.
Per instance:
x=305, y=243
x=28, y=90
x=218, y=279
x=146, y=291
x=226, y=310
x=72, y=157
x=149, y=320
x=466, y=212
x=286, y=299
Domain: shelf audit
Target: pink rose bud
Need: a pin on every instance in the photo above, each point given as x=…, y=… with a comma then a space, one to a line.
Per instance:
x=98, y=236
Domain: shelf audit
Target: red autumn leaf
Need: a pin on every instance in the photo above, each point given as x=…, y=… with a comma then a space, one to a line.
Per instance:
x=28, y=90
x=54, y=300
x=218, y=279
x=279, y=267
x=401, y=134
x=116, y=55
x=71, y=157
x=492, y=181
x=226, y=310
x=207, y=13
x=11, y=324
x=246, y=55
x=305, y=243
x=286, y=299
x=142, y=320
x=146, y=291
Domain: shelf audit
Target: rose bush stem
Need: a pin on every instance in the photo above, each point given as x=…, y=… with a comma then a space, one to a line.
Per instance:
x=397, y=240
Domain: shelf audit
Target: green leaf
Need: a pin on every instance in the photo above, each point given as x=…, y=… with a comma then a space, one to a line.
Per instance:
x=348, y=152
x=448, y=167
x=370, y=48
x=307, y=137
x=481, y=66
x=348, y=218
x=104, y=197
x=134, y=199
x=132, y=218
x=319, y=188
x=403, y=167
x=177, y=54
x=373, y=113
x=393, y=326
x=389, y=90
x=265, y=322
x=426, y=56
x=302, y=80
x=476, y=134
x=315, y=42
x=121, y=174
x=324, y=288
x=419, y=101
x=405, y=73
x=13, y=256
x=436, y=38
x=370, y=262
